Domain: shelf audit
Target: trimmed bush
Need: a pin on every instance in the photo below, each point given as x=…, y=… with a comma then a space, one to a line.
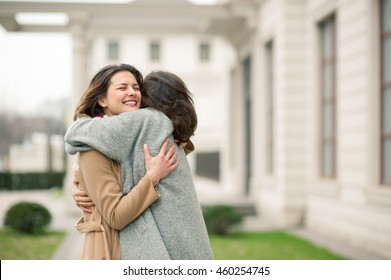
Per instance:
x=27, y=217
x=30, y=180
x=220, y=218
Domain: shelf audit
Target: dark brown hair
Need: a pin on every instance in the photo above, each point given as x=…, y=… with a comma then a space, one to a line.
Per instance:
x=166, y=92
x=97, y=89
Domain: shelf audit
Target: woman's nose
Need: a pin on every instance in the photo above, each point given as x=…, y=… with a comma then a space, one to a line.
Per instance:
x=131, y=91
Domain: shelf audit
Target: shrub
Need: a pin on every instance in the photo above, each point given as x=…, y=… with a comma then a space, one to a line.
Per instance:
x=220, y=218
x=30, y=180
x=27, y=217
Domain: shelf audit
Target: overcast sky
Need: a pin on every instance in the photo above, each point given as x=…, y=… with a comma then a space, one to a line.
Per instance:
x=36, y=67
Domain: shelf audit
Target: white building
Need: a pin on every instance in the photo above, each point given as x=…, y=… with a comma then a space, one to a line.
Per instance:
x=310, y=122
x=294, y=100
x=40, y=154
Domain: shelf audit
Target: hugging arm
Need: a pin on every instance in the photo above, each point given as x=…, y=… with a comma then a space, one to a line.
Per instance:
x=114, y=136
x=157, y=167
x=106, y=193
x=101, y=134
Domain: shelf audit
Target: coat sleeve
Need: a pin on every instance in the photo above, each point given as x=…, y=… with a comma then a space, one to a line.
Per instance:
x=105, y=191
x=114, y=136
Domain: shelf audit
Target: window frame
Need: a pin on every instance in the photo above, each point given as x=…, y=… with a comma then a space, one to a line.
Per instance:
x=204, y=48
x=110, y=44
x=155, y=50
x=384, y=85
x=269, y=53
x=330, y=100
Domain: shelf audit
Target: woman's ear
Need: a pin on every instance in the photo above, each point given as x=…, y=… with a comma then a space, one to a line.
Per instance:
x=102, y=102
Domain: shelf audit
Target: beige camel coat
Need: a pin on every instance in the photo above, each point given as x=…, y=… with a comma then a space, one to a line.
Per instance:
x=100, y=177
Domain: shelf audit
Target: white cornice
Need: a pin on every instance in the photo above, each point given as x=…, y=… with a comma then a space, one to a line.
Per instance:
x=231, y=19
x=146, y=14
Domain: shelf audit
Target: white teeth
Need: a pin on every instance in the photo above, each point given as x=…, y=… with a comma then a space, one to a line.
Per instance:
x=130, y=103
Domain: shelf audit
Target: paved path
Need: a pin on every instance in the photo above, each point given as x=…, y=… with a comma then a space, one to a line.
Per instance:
x=64, y=219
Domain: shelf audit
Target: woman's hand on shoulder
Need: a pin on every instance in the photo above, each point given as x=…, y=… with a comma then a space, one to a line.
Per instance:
x=160, y=166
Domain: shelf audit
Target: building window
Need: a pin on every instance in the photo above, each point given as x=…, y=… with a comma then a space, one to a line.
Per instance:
x=154, y=51
x=113, y=50
x=385, y=58
x=248, y=148
x=208, y=165
x=328, y=112
x=270, y=105
x=204, y=51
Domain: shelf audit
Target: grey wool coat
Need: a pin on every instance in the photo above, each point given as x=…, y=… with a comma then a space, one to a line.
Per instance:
x=171, y=228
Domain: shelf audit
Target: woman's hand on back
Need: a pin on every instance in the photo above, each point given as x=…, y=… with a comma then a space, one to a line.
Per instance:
x=161, y=165
x=81, y=198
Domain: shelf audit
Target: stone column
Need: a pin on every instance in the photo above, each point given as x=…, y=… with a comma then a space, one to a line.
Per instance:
x=78, y=28
x=282, y=196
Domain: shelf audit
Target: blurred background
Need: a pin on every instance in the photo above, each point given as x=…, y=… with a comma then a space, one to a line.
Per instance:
x=293, y=99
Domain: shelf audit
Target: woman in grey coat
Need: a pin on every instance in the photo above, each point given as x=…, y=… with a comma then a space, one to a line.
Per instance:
x=173, y=227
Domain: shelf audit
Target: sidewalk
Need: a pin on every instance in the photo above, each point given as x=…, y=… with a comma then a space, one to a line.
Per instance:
x=70, y=248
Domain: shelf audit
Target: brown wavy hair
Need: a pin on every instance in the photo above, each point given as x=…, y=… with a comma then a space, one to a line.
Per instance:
x=166, y=92
x=88, y=104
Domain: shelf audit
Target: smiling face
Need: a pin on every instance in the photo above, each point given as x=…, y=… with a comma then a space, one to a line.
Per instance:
x=123, y=94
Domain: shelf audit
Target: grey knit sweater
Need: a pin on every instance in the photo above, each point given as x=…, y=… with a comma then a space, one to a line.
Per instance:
x=171, y=228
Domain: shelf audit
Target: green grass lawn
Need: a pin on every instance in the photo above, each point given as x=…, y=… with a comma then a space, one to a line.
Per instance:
x=271, y=245
x=19, y=246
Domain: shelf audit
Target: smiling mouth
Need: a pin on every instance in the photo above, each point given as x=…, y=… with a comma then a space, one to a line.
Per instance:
x=132, y=103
